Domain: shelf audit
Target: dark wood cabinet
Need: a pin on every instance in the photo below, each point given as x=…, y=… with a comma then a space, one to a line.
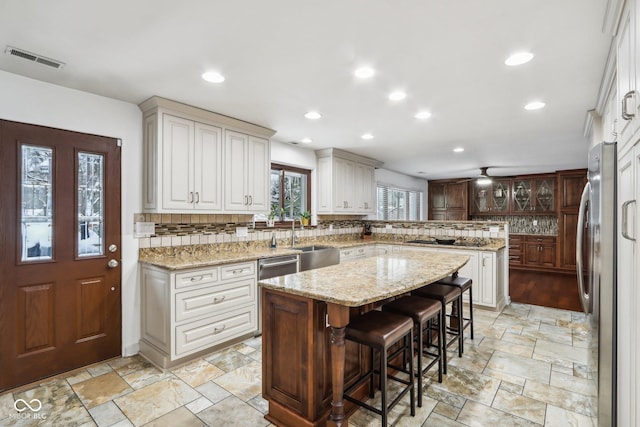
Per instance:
x=570, y=184
x=540, y=251
x=528, y=195
x=491, y=199
x=296, y=366
x=533, y=195
x=448, y=200
x=516, y=249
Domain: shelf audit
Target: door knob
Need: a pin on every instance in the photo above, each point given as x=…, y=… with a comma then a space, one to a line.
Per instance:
x=112, y=263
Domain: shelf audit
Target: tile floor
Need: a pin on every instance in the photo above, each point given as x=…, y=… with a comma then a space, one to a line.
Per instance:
x=525, y=367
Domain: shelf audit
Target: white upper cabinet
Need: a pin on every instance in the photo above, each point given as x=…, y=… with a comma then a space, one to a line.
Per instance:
x=192, y=165
x=246, y=159
x=628, y=70
x=199, y=160
x=346, y=182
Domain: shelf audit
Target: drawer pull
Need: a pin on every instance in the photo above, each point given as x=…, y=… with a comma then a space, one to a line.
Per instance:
x=197, y=279
x=237, y=271
x=216, y=300
x=218, y=330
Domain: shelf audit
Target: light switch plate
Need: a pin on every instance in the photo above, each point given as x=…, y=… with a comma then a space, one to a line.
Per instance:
x=242, y=231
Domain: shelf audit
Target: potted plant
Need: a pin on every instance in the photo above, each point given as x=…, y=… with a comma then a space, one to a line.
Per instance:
x=305, y=217
x=271, y=219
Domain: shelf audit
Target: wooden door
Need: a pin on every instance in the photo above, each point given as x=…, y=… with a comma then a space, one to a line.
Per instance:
x=456, y=195
x=59, y=251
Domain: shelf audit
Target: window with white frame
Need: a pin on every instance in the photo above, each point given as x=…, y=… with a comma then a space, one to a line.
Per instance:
x=398, y=203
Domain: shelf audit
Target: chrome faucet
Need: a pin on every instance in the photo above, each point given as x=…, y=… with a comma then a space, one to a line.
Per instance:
x=293, y=232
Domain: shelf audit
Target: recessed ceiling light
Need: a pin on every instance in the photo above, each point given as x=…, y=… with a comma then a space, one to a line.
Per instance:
x=519, y=58
x=213, y=77
x=364, y=72
x=535, y=105
x=421, y=115
x=398, y=95
x=366, y=136
x=458, y=150
x=313, y=115
x=307, y=140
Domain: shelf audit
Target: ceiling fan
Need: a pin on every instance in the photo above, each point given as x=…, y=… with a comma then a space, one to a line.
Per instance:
x=483, y=179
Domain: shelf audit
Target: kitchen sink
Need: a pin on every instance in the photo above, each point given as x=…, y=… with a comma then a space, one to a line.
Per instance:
x=313, y=248
x=316, y=256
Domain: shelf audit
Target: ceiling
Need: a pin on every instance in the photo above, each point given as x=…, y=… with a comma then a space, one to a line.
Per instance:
x=282, y=58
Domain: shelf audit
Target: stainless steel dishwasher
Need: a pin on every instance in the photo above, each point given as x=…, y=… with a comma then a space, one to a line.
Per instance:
x=274, y=267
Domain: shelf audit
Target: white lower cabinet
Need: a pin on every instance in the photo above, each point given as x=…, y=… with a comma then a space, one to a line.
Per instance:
x=193, y=310
x=485, y=269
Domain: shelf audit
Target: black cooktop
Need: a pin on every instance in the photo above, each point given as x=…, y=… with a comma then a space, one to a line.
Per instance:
x=456, y=243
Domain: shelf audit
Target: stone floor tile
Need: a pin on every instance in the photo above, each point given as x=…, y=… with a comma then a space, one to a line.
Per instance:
x=477, y=415
x=564, y=399
x=244, y=383
x=508, y=347
x=127, y=365
x=6, y=405
x=232, y=412
x=520, y=366
x=573, y=384
x=561, y=351
x=198, y=372
x=146, y=376
x=178, y=417
x=469, y=385
x=155, y=400
x=229, y=359
x=101, y=369
x=447, y=410
x=101, y=389
x=107, y=414
x=520, y=406
x=259, y=403
x=558, y=417
x=511, y=387
x=213, y=392
x=198, y=405
x=440, y=421
x=78, y=377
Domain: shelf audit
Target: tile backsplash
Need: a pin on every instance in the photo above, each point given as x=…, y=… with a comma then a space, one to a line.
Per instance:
x=193, y=229
x=524, y=224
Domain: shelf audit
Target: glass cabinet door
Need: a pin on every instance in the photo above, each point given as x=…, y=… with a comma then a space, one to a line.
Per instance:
x=544, y=195
x=522, y=195
x=500, y=196
x=481, y=202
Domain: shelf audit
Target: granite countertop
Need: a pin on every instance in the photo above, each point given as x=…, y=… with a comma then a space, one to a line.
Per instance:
x=202, y=256
x=370, y=279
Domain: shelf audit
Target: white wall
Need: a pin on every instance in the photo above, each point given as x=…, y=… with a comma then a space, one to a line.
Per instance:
x=32, y=101
x=395, y=179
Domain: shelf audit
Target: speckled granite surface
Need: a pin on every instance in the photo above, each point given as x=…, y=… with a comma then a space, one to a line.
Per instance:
x=369, y=279
x=181, y=257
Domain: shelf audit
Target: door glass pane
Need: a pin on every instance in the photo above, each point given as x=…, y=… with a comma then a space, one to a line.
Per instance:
x=37, y=207
x=90, y=204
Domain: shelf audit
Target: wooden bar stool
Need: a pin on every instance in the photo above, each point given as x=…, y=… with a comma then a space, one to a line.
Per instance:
x=423, y=311
x=380, y=331
x=464, y=284
x=446, y=295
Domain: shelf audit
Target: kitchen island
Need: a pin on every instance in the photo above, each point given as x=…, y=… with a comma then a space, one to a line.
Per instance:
x=306, y=361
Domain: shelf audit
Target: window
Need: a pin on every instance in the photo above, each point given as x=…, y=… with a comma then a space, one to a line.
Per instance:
x=399, y=204
x=290, y=190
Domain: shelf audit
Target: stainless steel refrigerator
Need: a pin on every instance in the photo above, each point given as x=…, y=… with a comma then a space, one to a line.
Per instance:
x=597, y=275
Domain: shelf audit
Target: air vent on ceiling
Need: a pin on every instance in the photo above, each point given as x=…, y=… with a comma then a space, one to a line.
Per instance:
x=34, y=57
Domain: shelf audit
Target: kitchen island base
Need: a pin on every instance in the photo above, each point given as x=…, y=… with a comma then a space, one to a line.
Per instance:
x=296, y=367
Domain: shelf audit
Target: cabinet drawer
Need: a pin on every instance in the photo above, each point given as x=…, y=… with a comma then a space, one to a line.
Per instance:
x=214, y=330
x=541, y=239
x=208, y=301
x=198, y=277
x=234, y=271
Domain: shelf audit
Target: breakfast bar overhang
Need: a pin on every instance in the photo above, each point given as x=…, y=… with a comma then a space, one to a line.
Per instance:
x=306, y=361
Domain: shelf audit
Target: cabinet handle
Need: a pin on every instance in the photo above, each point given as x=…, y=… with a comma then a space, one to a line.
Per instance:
x=197, y=279
x=216, y=300
x=625, y=115
x=197, y=197
x=250, y=200
x=218, y=330
x=625, y=220
x=191, y=197
x=237, y=271
x=246, y=200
